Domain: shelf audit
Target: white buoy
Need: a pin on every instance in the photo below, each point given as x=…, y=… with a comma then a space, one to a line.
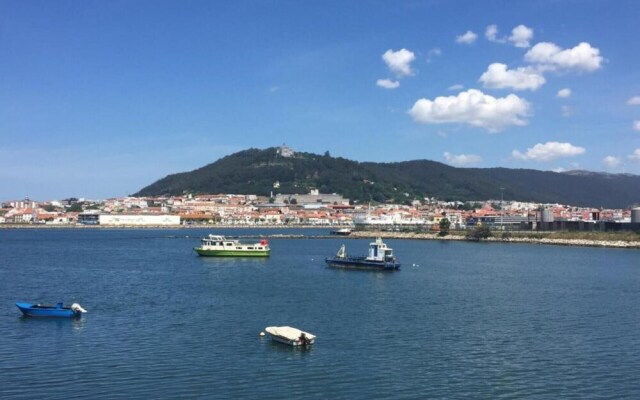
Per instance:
x=261, y=333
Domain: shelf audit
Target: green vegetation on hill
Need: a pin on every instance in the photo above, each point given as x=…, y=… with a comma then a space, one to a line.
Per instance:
x=255, y=171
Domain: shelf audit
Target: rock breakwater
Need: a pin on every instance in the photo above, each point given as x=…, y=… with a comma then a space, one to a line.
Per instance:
x=533, y=240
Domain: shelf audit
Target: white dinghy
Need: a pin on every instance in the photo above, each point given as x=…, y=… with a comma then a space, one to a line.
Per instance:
x=290, y=336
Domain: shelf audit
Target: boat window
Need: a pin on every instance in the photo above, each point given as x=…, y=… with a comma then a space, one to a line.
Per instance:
x=249, y=248
x=238, y=248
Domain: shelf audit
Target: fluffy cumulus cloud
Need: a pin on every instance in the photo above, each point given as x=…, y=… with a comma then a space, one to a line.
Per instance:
x=549, y=56
x=564, y=93
x=635, y=156
x=467, y=38
x=636, y=126
x=611, y=161
x=399, y=62
x=461, y=160
x=520, y=36
x=498, y=76
x=387, y=83
x=634, y=101
x=474, y=108
x=548, y=151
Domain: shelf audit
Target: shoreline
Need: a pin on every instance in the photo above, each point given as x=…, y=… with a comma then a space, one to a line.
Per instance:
x=620, y=244
x=529, y=240
x=213, y=227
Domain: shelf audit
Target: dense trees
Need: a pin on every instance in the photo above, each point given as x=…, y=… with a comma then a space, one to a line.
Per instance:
x=256, y=171
x=479, y=232
x=444, y=226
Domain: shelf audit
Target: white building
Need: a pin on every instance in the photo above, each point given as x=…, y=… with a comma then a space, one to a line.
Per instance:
x=138, y=220
x=285, y=151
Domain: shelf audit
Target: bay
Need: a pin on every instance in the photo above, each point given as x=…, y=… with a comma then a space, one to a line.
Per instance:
x=459, y=320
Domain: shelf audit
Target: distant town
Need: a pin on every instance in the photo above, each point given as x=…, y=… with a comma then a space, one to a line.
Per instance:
x=312, y=209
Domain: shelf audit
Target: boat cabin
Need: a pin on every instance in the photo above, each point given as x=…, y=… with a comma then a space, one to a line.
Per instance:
x=215, y=240
x=220, y=242
x=379, y=251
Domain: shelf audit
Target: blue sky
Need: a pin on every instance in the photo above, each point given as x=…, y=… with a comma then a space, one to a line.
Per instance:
x=99, y=99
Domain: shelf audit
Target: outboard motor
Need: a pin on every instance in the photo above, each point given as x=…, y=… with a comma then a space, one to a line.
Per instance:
x=77, y=308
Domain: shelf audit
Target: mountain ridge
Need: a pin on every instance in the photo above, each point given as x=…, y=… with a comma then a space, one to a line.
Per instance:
x=263, y=171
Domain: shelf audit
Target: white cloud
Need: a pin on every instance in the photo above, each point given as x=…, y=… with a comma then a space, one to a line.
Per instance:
x=399, y=61
x=474, y=108
x=548, y=151
x=467, y=38
x=636, y=126
x=635, y=156
x=457, y=86
x=433, y=53
x=611, y=161
x=634, y=101
x=491, y=33
x=521, y=35
x=498, y=76
x=387, y=83
x=461, y=160
x=564, y=93
x=549, y=56
x=558, y=170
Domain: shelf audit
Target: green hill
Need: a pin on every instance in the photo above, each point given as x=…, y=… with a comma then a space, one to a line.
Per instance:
x=255, y=171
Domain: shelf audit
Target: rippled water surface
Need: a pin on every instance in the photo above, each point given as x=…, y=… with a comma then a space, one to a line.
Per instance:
x=459, y=320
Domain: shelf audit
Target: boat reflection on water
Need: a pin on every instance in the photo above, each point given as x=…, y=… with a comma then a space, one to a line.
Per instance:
x=296, y=350
x=233, y=261
x=77, y=324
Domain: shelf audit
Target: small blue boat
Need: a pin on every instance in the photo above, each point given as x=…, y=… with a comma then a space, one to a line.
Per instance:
x=44, y=310
x=380, y=258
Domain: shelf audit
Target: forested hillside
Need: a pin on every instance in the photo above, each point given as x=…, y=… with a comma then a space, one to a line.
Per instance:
x=255, y=171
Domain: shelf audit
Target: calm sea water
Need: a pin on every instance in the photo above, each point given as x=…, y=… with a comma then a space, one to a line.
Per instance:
x=460, y=320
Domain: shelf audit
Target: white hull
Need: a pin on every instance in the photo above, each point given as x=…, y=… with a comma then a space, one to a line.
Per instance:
x=290, y=336
x=291, y=342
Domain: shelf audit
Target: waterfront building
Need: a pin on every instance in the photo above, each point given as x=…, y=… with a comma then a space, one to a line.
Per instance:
x=138, y=220
x=89, y=218
x=312, y=198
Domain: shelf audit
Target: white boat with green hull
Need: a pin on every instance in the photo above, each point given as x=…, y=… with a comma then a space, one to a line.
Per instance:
x=219, y=246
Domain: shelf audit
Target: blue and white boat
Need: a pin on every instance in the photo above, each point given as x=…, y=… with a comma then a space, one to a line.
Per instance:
x=44, y=310
x=380, y=257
